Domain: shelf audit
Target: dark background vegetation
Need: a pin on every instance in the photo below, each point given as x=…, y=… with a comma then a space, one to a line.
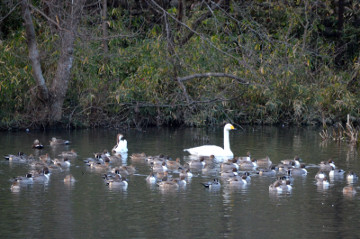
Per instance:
x=142, y=63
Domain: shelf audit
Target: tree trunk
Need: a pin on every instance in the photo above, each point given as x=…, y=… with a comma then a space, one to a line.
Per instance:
x=53, y=97
x=43, y=92
x=340, y=25
x=104, y=29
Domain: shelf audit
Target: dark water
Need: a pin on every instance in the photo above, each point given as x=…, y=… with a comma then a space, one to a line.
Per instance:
x=90, y=209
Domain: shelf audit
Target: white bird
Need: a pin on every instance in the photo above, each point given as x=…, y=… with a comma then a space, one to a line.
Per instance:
x=121, y=146
x=208, y=150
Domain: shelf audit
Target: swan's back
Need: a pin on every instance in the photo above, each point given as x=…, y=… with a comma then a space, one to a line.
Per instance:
x=208, y=150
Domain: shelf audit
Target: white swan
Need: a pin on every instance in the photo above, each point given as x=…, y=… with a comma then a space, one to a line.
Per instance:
x=121, y=146
x=208, y=150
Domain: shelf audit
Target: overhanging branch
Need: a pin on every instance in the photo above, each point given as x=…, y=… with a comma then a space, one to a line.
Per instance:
x=44, y=15
x=213, y=74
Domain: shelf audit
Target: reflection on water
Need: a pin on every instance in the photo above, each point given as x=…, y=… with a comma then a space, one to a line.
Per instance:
x=89, y=207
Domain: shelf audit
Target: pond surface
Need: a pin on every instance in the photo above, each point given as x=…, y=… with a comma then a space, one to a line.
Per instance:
x=89, y=208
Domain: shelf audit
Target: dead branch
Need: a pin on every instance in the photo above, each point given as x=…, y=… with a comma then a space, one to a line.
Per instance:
x=213, y=74
x=8, y=14
x=44, y=15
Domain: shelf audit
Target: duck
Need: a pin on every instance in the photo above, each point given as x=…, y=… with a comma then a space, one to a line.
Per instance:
x=280, y=186
x=181, y=181
x=229, y=165
x=69, y=179
x=323, y=182
x=155, y=160
x=37, y=144
x=168, y=185
x=115, y=158
x=68, y=154
x=163, y=176
x=97, y=166
x=229, y=174
x=54, y=142
x=327, y=165
x=64, y=163
x=211, y=159
x=283, y=168
x=123, y=171
x=20, y=157
x=244, y=158
x=276, y=187
x=116, y=181
x=237, y=181
x=121, y=145
x=129, y=168
x=287, y=185
x=173, y=165
x=197, y=163
x=38, y=164
x=15, y=186
x=248, y=165
x=293, y=162
x=214, y=184
x=160, y=167
x=138, y=157
x=45, y=158
x=158, y=159
x=217, y=151
x=336, y=173
x=102, y=156
x=248, y=176
x=320, y=175
x=267, y=172
x=264, y=162
x=285, y=178
x=42, y=177
x=299, y=171
x=351, y=177
x=349, y=190
x=24, y=180
x=186, y=173
x=151, y=179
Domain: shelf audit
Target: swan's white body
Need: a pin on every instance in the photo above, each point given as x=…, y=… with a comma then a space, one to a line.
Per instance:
x=208, y=150
x=121, y=146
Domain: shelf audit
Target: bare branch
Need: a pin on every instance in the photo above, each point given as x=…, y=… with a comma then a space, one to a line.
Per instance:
x=13, y=9
x=213, y=74
x=195, y=32
x=194, y=26
x=44, y=15
x=146, y=104
x=185, y=91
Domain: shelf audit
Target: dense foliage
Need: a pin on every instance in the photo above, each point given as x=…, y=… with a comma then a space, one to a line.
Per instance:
x=300, y=58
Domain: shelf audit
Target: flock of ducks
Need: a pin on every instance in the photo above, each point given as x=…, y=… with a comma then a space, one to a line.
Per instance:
x=42, y=165
x=169, y=174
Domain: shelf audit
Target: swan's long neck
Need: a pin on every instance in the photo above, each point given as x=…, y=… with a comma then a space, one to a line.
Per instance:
x=226, y=140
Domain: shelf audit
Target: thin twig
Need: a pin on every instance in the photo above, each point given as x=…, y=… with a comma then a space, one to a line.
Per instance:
x=8, y=14
x=213, y=74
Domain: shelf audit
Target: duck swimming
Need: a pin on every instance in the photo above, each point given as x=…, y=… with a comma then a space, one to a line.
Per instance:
x=54, y=141
x=207, y=150
x=37, y=144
